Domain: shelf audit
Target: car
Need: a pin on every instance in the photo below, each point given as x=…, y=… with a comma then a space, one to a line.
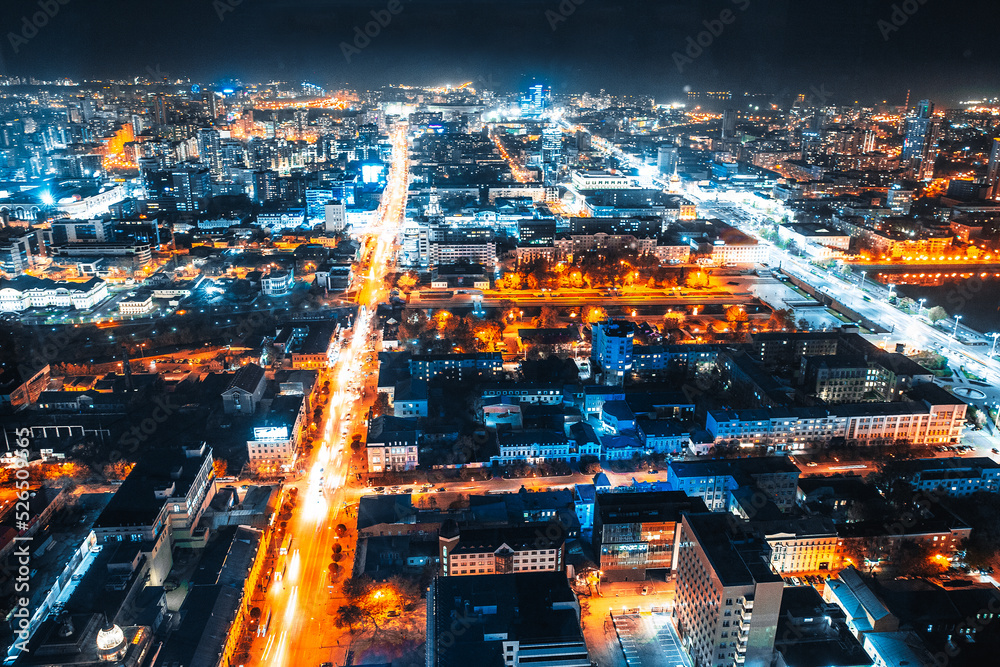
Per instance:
x=645, y=590
x=811, y=464
x=654, y=471
x=440, y=489
x=995, y=450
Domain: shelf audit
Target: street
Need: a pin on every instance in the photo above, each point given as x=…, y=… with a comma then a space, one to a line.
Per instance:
x=300, y=630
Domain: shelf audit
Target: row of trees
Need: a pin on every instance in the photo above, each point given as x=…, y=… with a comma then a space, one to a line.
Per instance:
x=602, y=269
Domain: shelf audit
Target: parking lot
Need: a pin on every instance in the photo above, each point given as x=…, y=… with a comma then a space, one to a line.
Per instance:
x=650, y=640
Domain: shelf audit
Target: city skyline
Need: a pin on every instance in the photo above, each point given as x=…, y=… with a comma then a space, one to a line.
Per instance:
x=863, y=50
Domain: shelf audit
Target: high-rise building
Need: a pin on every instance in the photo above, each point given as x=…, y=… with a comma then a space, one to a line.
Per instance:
x=921, y=137
x=209, y=149
x=666, y=159
x=191, y=188
x=551, y=143
x=336, y=216
x=993, y=171
x=728, y=599
x=160, y=110
x=536, y=101
x=265, y=186
x=729, y=124
x=612, y=349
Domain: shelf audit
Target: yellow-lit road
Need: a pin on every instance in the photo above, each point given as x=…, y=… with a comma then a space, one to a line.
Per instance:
x=301, y=632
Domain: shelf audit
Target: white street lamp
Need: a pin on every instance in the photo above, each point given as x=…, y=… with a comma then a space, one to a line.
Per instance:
x=955, y=333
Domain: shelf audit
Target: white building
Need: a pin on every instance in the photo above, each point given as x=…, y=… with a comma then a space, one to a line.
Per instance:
x=26, y=292
x=277, y=283
x=593, y=179
x=336, y=216
x=136, y=304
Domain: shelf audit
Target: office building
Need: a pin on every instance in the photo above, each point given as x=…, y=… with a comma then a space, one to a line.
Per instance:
x=637, y=532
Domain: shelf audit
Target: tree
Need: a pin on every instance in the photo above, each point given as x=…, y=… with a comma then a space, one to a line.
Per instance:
x=488, y=334
x=803, y=324
x=406, y=282
x=118, y=470
x=936, y=314
x=918, y=560
x=735, y=315
x=220, y=467
x=356, y=587
x=349, y=615
x=594, y=314
x=866, y=553
x=341, y=530
x=696, y=279
x=548, y=318
x=381, y=405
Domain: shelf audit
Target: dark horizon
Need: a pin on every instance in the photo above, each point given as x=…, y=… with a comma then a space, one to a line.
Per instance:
x=853, y=50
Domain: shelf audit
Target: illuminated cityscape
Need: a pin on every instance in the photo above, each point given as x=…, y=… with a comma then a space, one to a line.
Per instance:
x=361, y=336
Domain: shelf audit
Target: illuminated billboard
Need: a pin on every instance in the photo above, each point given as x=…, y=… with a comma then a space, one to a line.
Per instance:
x=270, y=433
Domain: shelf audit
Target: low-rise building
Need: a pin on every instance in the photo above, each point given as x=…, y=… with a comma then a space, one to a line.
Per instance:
x=392, y=450
x=136, y=304
x=456, y=366
x=637, y=532
x=516, y=620
x=534, y=447
x=713, y=481
x=275, y=436
x=508, y=550
x=244, y=391
x=26, y=292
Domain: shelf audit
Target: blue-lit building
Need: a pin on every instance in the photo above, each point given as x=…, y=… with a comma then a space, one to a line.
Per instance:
x=611, y=347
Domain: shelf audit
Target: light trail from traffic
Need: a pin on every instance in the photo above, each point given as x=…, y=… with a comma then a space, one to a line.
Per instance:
x=299, y=601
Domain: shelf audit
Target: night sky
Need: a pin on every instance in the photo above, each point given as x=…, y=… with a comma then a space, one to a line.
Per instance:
x=942, y=50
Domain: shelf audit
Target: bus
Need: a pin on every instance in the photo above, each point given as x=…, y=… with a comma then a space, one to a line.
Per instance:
x=286, y=544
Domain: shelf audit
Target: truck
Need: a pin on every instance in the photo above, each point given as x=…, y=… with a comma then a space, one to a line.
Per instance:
x=286, y=544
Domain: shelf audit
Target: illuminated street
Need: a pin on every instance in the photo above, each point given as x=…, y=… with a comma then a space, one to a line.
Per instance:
x=301, y=632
